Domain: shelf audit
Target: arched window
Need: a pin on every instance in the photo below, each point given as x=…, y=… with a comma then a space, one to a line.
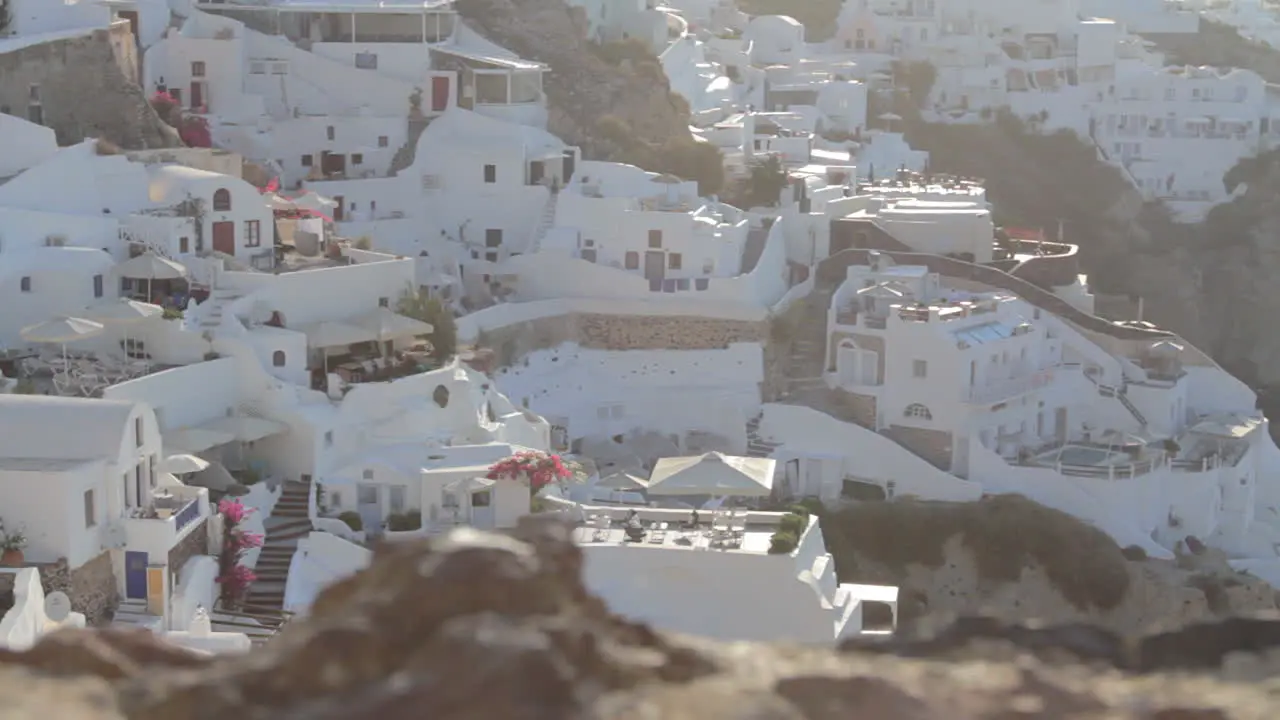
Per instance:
x=277, y=358
x=916, y=410
x=222, y=200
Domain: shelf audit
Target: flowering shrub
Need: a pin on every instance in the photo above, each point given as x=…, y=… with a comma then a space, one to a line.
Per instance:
x=164, y=104
x=232, y=576
x=536, y=468
x=195, y=132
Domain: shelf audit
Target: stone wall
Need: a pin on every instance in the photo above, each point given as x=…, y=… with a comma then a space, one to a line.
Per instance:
x=91, y=587
x=859, y=408
x=620, y=332
x=933, y=446
x=87, y=87
x=195, y=543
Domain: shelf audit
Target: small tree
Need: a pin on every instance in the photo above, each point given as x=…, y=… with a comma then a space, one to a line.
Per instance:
x=418, y=305
x=768, y=180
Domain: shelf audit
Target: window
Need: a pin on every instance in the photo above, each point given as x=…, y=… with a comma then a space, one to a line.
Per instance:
x=655, y=239
x=25, y=284
x=328, y=438
x=916, y=410
x=395, y=498
x=97, y=286
x=383, y=141
x=137, y=431
x=491, y=173
x=335, y=499
x=278, y=358
x=279, y=68
x=90, y=511
x=306, y=161
x=588, y=254
x=920, y=368
x=367, y=61
x=222, y=200
x=252, y=233
x=330, y=133
x=481, y=499
x=493, y=238
x=184, y=245
x=33, y=93
x=674, y=261
x=35, y=114
x=633, y=260
x=197, y=69
x=357, y=159
x=257, y=68
x=368, y=474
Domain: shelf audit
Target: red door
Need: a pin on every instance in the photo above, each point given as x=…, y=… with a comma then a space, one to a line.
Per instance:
x=224, y=237
x=439, y=93
x=339, y=210
x=197, y=95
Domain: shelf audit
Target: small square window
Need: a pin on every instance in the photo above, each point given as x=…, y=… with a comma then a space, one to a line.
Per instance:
x=306, y=161
x=491, y=173
x=329, y=131
x=384, y=302
x=919, y=368
x=674, y=261
x=33, y=93
x=197, y=69
x=25, y=284
x=328, y=438
x=383, y=141
x=357, y=159
x=184, y=245
x=633, y=261
x=493, y=237
x=655, y=239
x=257, y=68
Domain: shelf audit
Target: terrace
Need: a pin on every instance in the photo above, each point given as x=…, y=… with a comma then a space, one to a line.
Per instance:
x=737, y=531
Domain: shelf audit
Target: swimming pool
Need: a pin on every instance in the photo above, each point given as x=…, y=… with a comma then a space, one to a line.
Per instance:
x=1085, y=456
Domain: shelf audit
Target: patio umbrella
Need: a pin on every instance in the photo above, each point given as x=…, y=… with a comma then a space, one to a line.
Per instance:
x=150, y=267
x=123, y=312
x=61, y=330
x=713, y=474
x=388, y=325
x=183, y=463
x=246, y=428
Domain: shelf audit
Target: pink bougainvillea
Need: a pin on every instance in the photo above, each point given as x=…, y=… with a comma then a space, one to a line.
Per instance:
x=234, y=577
x=195, y=132
x=536, y=468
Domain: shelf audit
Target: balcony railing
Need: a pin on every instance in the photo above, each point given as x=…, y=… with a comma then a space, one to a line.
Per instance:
x=187, y=515
x=1007, y=389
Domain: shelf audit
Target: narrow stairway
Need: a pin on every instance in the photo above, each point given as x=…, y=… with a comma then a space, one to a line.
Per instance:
x=808, y=350
x=758, y=447
x=545, y=224
x=134, y=614
x=288, y=522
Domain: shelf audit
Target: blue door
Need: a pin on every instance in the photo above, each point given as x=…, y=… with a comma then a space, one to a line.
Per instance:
x=135, y=575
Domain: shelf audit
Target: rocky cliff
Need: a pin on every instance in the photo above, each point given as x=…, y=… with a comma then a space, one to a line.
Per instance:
x=583, y=85
x=485, y=626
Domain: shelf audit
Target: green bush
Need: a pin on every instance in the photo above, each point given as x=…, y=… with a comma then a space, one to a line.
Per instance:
x=793, y=523
x=352, y=519
x=405, y=522
x=782, y=543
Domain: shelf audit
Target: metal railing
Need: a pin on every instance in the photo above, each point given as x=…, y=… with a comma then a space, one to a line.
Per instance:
x=187, y=515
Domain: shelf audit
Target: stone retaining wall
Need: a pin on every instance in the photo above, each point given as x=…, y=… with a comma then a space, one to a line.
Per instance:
x=195, y=543
x=86, y=87
x=91, y=587
x=620, y=332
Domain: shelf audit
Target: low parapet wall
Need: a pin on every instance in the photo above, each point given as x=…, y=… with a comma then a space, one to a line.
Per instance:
x=833, y=270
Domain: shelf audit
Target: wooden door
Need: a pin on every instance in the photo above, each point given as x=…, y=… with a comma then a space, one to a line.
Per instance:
x=339, y=210
x=197, y=95
x=536, y=172
x=439, y=93
x=224, y=237
x=655, y=265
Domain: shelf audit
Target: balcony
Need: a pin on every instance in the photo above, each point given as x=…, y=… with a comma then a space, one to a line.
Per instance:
x=171, y=516
x=1004, y=390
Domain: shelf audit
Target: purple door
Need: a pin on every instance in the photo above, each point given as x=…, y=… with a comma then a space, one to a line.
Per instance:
x=135, y=575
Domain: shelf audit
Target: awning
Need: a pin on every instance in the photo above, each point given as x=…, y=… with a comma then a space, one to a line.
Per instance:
x=335, y=334
x=387, y=324
x=245, y=428
x=194, y=439
x=149, y=266
x=713, y=474
x=184, y=463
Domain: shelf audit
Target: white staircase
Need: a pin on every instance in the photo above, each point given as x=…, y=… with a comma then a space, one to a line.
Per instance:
x=212, y=312
x=134, y=614
x=545, y=223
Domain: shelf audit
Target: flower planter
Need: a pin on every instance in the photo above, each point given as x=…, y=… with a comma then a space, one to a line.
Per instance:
x=12, y=558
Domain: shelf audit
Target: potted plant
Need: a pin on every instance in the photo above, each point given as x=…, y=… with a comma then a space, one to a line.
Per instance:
x=12, y=543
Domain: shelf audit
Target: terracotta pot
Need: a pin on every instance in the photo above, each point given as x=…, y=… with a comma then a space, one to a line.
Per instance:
x=12, y=558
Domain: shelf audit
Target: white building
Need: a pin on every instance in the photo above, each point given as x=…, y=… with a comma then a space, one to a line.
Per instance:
x=678, y=581
x=84, y=480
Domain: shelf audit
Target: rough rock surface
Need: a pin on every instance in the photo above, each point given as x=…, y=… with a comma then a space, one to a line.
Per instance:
x=581, y=87
x=487, y=626
x=1161, y=594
